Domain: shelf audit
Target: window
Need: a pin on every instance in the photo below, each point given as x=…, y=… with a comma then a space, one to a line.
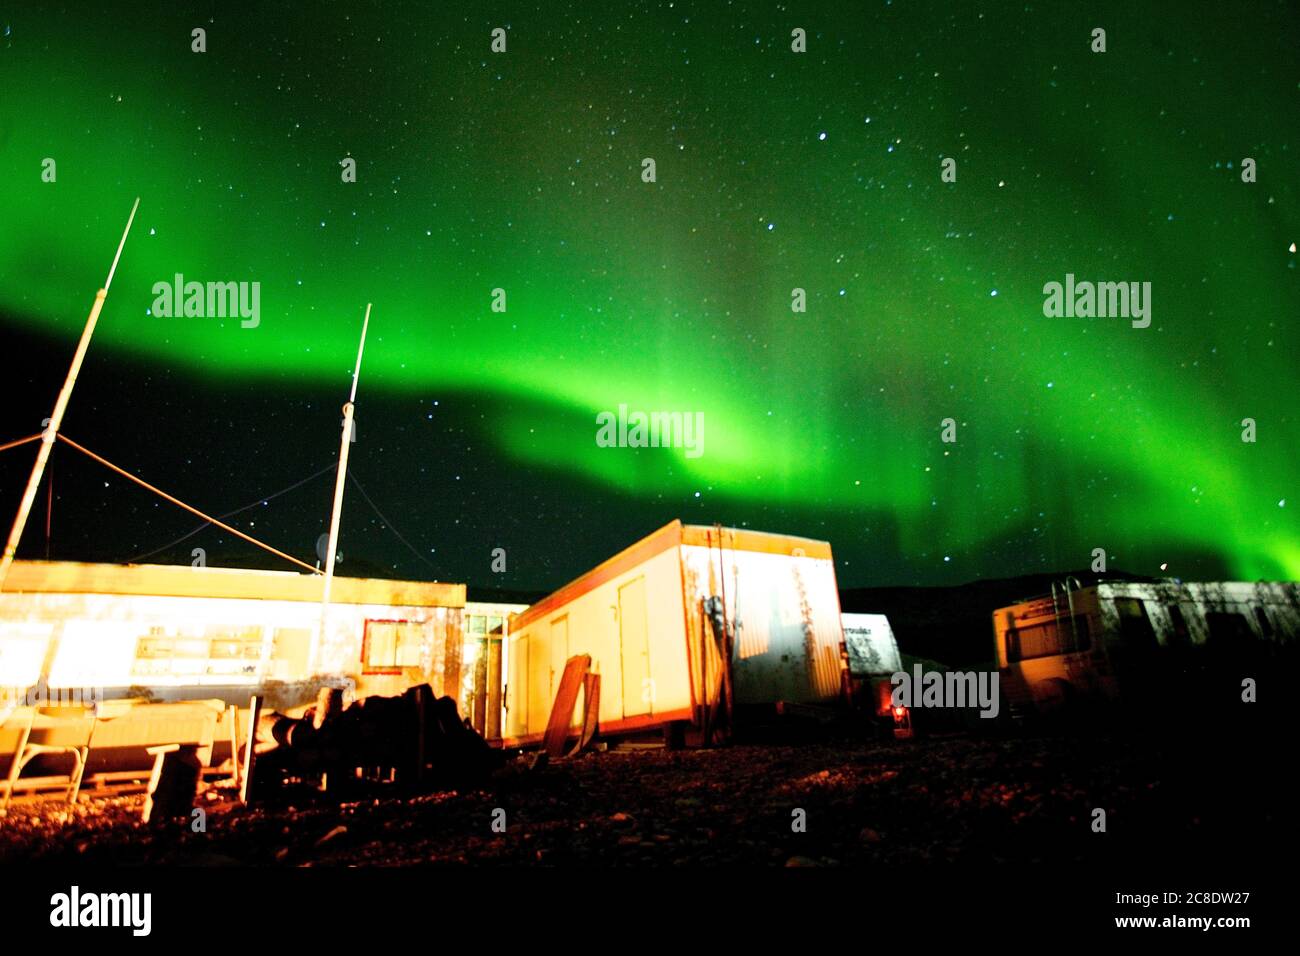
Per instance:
x=1135, y=630
x=220, y=651
x=391, y=645
x=1228, y=629
x=235, y=651
x=479, y=625
x=1181, y=636
x=1265, y=625
x=241, y=644
x=1046, y=640
x=170, y=654
x=149, y=648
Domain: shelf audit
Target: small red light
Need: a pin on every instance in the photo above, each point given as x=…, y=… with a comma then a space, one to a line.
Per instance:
x=900, y=711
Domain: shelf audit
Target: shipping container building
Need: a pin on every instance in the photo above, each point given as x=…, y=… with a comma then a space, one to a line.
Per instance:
x=659, y=620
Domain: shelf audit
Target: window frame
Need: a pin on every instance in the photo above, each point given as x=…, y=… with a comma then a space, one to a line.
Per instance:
x=1065, y=635
x=394, y=669
x=1264, y=621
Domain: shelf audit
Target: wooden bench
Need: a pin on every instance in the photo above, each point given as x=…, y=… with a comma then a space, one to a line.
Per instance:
x=127, y=730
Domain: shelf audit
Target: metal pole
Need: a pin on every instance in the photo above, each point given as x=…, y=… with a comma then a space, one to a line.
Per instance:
x=56, y=417
x=338, y=488
x=49, y=511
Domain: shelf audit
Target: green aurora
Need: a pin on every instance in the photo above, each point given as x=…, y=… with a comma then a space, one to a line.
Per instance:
x=522, y=171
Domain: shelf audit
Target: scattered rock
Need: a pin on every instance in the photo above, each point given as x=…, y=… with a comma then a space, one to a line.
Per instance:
x=871, y=804
x=336, y=832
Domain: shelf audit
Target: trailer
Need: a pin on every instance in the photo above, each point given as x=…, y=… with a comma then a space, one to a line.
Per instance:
x=686, y=628
x=873, y=659
x=176, y=633
x=1119, y=640
x=76, y=638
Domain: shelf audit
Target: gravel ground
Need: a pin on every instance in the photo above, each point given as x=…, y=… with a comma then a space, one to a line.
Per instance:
x=962, y=798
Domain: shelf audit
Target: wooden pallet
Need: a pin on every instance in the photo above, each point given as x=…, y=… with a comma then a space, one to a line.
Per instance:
x=566, y=698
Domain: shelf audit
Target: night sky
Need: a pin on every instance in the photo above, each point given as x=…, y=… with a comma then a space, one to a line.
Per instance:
x=775, y=170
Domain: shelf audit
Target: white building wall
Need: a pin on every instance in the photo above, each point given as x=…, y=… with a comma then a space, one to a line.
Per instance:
x=590, y=624
x=786, y=613
x=91, y=641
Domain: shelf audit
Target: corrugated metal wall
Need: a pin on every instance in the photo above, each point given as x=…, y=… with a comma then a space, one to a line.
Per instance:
x=785, y=611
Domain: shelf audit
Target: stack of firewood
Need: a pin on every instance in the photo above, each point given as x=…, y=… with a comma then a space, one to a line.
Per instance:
x=416, y=741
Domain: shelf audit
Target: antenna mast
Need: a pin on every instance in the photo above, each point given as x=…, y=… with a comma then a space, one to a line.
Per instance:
x=60, y=406
x=338, y=485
